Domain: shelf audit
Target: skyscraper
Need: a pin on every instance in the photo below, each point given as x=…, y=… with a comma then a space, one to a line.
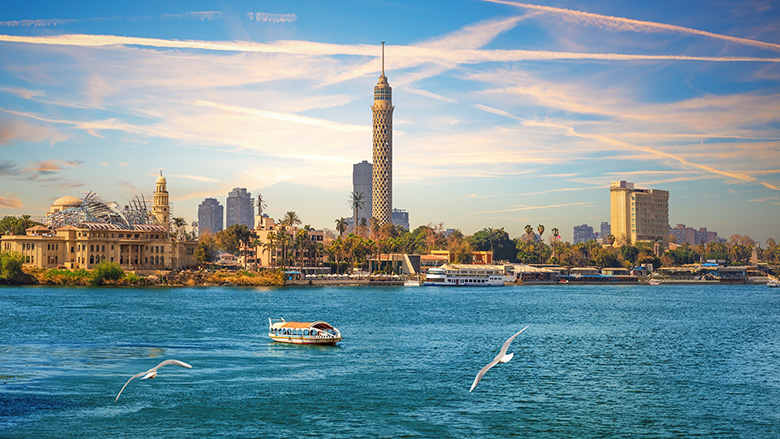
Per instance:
x=240, y=208
x=210, y=216
x=638, y=214
x=382, y=175
x=361, y=183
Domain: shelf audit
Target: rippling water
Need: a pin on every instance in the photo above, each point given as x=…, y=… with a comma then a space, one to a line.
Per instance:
x=614, y=361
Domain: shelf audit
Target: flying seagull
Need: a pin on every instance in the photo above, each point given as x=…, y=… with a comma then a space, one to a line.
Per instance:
x=502, y=357
x=152, y=373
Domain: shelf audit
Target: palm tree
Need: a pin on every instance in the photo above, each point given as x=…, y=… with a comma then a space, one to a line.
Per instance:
x=540, y=229
x=611, y=239
x=180, y=224
x=291, y=219
x=528, y=231
x=356, y=201
x=260, y=204
x=341, y=226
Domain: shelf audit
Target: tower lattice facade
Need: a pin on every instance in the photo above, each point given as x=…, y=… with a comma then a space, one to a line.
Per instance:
x=382, y=175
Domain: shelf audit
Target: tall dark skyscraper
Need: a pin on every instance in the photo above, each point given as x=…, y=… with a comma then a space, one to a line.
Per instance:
x=361, y=183
x=382, y=190
x=240, y=208
x=210, y=215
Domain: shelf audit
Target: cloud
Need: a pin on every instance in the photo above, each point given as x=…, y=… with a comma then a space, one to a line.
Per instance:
x=521, y=208
x=14, y=130
x=23, y=93
x=8, y=168
x=196, y=178
x=198, y=15
x=266, y=17
x=12, y=202
x=38, y=23
x=627, y=24
x=412, y=54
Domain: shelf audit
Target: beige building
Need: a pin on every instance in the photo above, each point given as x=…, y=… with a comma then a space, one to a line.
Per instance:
x=134, y=247
x=638, y=214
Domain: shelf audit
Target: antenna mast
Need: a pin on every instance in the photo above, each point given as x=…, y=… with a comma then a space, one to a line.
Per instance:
x=383, y=58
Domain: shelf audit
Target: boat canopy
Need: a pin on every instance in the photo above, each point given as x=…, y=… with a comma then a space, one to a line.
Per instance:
x=305, y=325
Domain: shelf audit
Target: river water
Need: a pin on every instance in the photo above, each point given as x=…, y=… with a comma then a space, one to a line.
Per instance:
x=596, y=361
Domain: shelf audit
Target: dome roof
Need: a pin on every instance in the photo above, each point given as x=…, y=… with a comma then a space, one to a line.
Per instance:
x=67, y=200
x=161, y=179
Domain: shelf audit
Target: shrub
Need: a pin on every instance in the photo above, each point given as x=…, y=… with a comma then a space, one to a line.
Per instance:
x=106, y=271
x=10, y=265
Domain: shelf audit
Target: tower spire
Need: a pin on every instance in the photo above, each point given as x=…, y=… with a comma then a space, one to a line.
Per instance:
x=383, y=58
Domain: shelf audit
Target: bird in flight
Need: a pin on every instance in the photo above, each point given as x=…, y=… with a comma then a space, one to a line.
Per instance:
x=152, y=373
x=502, y=357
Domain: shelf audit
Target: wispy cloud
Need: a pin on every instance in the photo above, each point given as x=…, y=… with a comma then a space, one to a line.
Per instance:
x=521, y=208
x=23, y=92
x=266, y=17
x=627, y=24
x=197, y=15
x=195, y=177
x=412, y=53
x=38, y=23
x=11, y=202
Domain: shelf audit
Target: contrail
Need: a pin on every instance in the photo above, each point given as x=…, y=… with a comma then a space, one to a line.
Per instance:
x=627, y=24
x=463, y=56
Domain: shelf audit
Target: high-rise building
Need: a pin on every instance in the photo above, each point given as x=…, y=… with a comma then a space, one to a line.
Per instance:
x=583, y=233
x=210, y=216
x=361, y=183
x=240, y=208
x=639, y=214
x=161, y=209
x=382, y=174
x=606, y=230
x=401, y=218
x=692, y=236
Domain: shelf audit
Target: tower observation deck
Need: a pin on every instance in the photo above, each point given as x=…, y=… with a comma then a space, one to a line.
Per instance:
x=382, y=176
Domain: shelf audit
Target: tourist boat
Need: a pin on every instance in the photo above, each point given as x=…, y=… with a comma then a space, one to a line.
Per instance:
x=319, y=332
x=773, y=283
x=654, y=282
x=412, y=282
x=466, y=275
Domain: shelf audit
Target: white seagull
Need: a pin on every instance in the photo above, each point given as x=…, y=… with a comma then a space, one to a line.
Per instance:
x=152, y=373
x=502, y=357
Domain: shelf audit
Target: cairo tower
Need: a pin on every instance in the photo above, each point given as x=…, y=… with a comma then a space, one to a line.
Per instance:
x=382, y=178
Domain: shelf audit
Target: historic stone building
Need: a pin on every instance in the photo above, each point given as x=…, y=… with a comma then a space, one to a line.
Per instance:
x=87, y=243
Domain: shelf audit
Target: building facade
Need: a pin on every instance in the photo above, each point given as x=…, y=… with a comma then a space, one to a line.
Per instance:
x=240, y=208
x=693, y=236
x=401, y=218
x=606, y=230
x=210, y=216
x=639, y=214
x=86, y=244
x=382, y=173
x=583, y=233
x=362, y=173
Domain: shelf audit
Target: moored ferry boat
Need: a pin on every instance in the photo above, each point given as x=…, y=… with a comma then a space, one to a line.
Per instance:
x=466, y=275
x=318, y=332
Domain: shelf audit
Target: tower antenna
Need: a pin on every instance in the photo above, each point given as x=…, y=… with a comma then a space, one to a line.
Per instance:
x=383, y=58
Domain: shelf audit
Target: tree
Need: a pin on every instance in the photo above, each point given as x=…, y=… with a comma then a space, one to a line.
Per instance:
x=611, y=239
x=291, y=219
x=528, y=231
x=341, y=226
x=504, y=248
x=207, y=248
x=10, y=265
x=234, y=239
x=181, y=228
x=540, y=229
x=356, y=201
x=260, y=204
x=106, y=270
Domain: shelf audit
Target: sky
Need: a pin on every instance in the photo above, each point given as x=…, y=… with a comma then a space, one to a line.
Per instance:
x=507, y=113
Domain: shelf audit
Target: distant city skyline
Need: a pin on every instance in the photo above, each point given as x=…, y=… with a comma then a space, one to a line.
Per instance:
x=508, y=113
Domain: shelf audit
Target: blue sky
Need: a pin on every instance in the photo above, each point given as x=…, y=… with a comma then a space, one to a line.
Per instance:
x=507, y=113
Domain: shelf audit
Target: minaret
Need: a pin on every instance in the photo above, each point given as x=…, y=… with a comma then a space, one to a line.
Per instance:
x=160, y=207
x=382, y=176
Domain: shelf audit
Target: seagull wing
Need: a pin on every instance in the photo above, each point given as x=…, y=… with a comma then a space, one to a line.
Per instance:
x=173, y=362
x=482, y=372
x=495, y=361
x=505, y=347
x=128, y=382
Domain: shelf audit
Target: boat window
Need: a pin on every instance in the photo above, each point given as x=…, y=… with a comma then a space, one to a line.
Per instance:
x=305, y=332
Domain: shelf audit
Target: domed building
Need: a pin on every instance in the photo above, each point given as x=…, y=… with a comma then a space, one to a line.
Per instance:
x=63, y=203
x=94, y=232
